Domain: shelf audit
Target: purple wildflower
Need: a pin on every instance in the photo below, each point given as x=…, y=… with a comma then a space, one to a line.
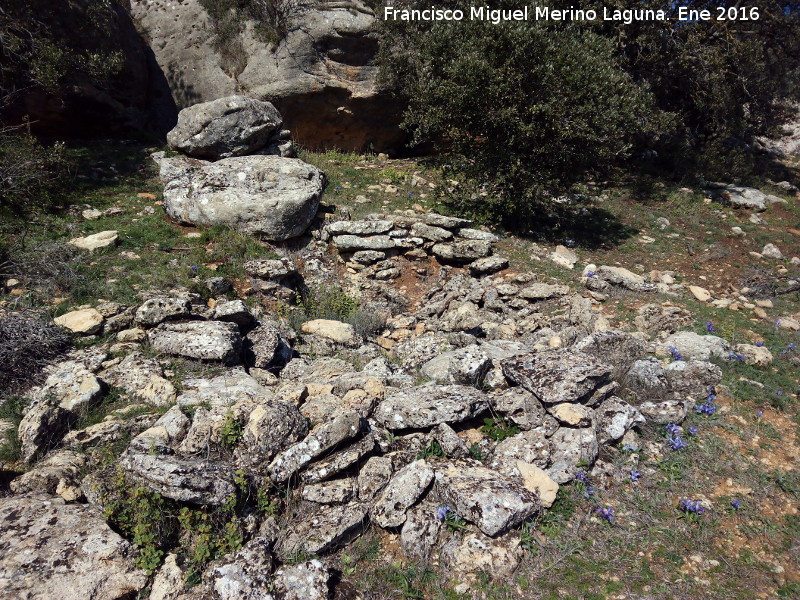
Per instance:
x=759, y=414
x=635, y=475
x=629, y=448
x=760, y=344
x=194, y=267
x=672, y=429
x=692, y=430
x=779, y=392
x=675, y=354
x=441, y=512
x=791, y=346
x=709, y=327
x=606, y=513
x=590, y=273
x=706, y=408
x=582, y=477
x=693, y=507
x=678, y=443
x=588, y=492
x=736, y=504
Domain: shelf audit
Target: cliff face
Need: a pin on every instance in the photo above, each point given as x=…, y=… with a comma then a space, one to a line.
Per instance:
x=322, y=77
x=133, y=97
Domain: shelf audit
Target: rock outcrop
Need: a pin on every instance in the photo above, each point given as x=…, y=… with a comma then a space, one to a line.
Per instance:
x=321, y=77
x=57, y=550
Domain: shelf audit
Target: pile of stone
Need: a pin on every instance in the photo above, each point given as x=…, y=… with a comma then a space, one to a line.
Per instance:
x=369, y=245
x=237, y=171
x=363, y=431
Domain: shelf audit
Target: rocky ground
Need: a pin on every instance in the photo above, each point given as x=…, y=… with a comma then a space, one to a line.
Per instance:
x=396, y=403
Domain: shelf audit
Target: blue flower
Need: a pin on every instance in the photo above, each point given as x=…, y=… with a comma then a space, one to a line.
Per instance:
x=706, y=408
x=678, y=443
x=628, y=448
x=590, y=273
x=791, y=346
x=672, y=429
x=588, y=492
x=606, y=513
x=582, y=477
x=441, y=512
x=675, y=354
x=709, y=326
x=691, y=506
x=779, y=392
x=635, y=475
x=760, y=344
x=692, y=430
x=194, y=267
x=736, y=504
x=759, y=414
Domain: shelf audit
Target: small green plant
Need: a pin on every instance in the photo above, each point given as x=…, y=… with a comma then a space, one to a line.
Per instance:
x=266, y=503
x=230, y=432
x=498, y=428
x=477, y=453
x=433, y=448
x=451, y=519
x=142, y=515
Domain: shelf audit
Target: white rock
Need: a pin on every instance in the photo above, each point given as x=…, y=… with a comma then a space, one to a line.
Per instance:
x=96, y=241
x=86, y=321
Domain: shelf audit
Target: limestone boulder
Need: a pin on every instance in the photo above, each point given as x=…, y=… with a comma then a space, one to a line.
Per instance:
x=267, y=196
x=429, y=405
x=483, y=496
x=202, y=340
x=225, y=127
x=401, y=493
x=557, y=376
x=85, y=321
x=57, y=550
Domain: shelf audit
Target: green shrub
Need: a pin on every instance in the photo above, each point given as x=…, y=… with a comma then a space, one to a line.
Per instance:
x=521, y=109
x=31, y=174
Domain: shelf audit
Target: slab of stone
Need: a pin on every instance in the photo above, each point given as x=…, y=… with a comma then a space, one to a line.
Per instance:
x=322, y=530
x=338, y=462
x=463, y=251
x=303, y=581
x=93, y=242
x=354, y=242
x=162, y=308
x=543, y=291
x=187, y=480
x=429, y=405
x=341, y=333
x=362, y=228
x=230, y=126
x=556, y=376
x=68, y=551
x=271, y=197
x=483, y=496
x=86, y=321
x=322, y=439
x=405, y=488
x=202, y=340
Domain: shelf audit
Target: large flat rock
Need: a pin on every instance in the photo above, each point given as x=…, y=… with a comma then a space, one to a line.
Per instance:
x=268, y=196
x=49, y=549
